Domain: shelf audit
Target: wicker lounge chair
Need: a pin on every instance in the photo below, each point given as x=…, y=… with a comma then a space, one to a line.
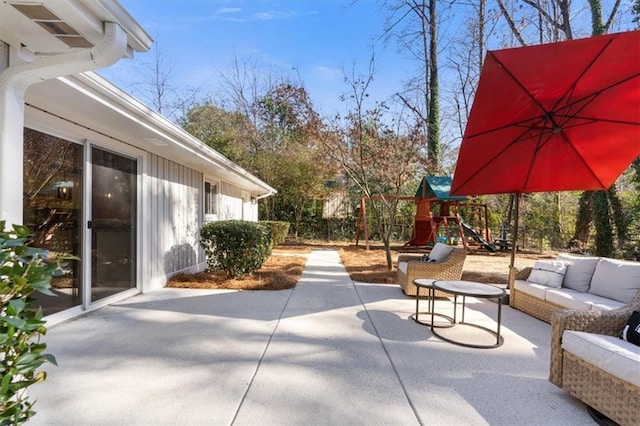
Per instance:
x=615, y=398
x=449, y=269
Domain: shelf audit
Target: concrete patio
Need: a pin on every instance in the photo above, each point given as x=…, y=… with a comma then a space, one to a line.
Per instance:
x=330, y=351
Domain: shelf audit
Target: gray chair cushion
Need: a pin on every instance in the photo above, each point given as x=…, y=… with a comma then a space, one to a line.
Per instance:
x=579, y=271
x=440, y=252
x=616, y=279
x=548, y=272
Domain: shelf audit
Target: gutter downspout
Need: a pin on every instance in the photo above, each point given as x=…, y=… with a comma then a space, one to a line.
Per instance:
x=14, y=81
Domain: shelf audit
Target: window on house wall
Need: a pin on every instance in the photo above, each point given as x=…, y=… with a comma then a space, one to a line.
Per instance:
x=210, y=198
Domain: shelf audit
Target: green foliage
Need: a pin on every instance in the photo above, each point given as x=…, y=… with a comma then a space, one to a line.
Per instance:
x=227, y=132
x=236, y=247
x=23, y=270
x=279, y=231
x=604, y=230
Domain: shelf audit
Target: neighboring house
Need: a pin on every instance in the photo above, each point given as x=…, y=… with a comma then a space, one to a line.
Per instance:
x=94, y=172
x=336, y=205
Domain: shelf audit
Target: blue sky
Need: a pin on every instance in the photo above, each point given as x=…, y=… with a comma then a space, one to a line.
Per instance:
x=309, y=40
x=314, y=40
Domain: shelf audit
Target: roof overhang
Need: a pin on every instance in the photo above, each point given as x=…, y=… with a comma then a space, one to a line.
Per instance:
x=42, y=28
x=100, y=108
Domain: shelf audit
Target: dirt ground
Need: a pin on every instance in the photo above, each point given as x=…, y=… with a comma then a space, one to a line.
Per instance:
x=481, y=266
x=284, y=267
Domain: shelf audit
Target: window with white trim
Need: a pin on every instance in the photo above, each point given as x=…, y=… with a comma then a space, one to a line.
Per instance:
x=210, y=198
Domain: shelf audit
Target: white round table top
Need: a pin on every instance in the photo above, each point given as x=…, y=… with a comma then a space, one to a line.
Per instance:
x=424, y=282
x=469, y=288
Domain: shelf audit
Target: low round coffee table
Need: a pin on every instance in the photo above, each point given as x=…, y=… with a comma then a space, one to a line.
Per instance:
x=472, y=289
x=431, y=297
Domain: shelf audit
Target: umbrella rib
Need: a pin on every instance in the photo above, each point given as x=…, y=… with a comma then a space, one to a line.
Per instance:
x=593, y=96
x=591, y=120
x=524, y=89
x=575, y=83
x=498, y=154
x=521, y=123
x=586, y=165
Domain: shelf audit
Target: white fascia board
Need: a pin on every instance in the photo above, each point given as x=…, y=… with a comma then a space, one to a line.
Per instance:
x=113, y=97
x=139, y=39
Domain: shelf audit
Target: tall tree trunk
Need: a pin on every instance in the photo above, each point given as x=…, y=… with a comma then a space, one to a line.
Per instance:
x=481, y=24
x=583, y=218
x=604, y=231
x=601, y=199
x=433, y=137
x=556, y=236
x=597, y=24
x=617, y=216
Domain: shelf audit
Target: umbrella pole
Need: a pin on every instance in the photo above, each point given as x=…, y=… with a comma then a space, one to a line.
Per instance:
x=514, y=244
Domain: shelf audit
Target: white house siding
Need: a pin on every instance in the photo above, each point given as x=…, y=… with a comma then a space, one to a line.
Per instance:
x=231, y=202
x=175, y=218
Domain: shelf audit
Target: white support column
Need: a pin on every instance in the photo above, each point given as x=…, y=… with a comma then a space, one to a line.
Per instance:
x=11, y=150
x=14, y=81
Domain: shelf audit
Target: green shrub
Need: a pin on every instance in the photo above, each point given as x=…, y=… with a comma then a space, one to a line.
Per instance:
x=23, y=270
x=236, y=247
x=279, y=231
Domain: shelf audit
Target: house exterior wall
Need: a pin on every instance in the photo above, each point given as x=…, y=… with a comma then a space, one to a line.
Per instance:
x=53, y=95
x=231, y=202
x=175, y=216
x=171, y=204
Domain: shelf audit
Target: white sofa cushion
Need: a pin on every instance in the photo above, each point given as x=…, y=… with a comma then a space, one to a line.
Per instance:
x=535, y=290
x=579, y=271
x=570, y=299
x=402, y=267
x=440, y=252
x=616, y=279
x=548, y=272
x=573, y=299
x=610, y=353
x=607, y=305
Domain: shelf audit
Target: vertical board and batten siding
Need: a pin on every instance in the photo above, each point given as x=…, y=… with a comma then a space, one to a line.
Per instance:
x=176, y=193
x=230, y=202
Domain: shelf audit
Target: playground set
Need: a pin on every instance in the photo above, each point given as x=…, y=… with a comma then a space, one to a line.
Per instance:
x=439, y=218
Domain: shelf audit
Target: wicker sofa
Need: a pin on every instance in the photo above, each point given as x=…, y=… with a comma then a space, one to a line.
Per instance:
x=587, y=283
x=411, y=267
x=591, y=362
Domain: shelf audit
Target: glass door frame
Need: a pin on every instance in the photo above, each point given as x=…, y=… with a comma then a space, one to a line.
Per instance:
x=139, y=157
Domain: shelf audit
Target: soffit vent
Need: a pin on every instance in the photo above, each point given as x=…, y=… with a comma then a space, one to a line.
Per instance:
x=48, y=20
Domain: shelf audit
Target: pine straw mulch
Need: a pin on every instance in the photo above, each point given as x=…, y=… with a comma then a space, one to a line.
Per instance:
x=283, y=268
x=370, y=266
x=280, y=271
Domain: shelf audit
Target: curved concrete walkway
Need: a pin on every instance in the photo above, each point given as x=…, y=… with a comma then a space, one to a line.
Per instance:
x=329, y=351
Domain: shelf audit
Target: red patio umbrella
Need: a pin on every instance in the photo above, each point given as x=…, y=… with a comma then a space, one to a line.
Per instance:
x=553, y=117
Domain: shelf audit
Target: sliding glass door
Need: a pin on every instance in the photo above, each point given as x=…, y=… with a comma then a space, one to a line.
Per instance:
x=96, y=221
x=52, y=209
x=114, y=195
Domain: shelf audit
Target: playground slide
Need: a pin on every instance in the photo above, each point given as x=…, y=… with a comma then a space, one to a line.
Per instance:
x=477, y=237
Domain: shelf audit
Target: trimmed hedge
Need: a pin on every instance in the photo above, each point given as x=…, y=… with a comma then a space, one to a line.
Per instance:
x=279, y=230
x=236, y=247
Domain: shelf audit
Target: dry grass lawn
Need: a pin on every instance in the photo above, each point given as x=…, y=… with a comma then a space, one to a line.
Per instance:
x=284, y=267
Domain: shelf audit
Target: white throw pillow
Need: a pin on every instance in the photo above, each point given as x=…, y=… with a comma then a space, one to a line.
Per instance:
x=616, y=279
x=579, y=271
x=440, y=252
x=548, y=272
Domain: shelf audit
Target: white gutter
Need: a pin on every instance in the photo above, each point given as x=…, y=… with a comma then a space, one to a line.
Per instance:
x=14, y=81
x=135, y=110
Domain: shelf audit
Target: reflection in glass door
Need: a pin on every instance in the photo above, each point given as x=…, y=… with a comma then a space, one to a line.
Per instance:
x=52, y=203
x=113, y=223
